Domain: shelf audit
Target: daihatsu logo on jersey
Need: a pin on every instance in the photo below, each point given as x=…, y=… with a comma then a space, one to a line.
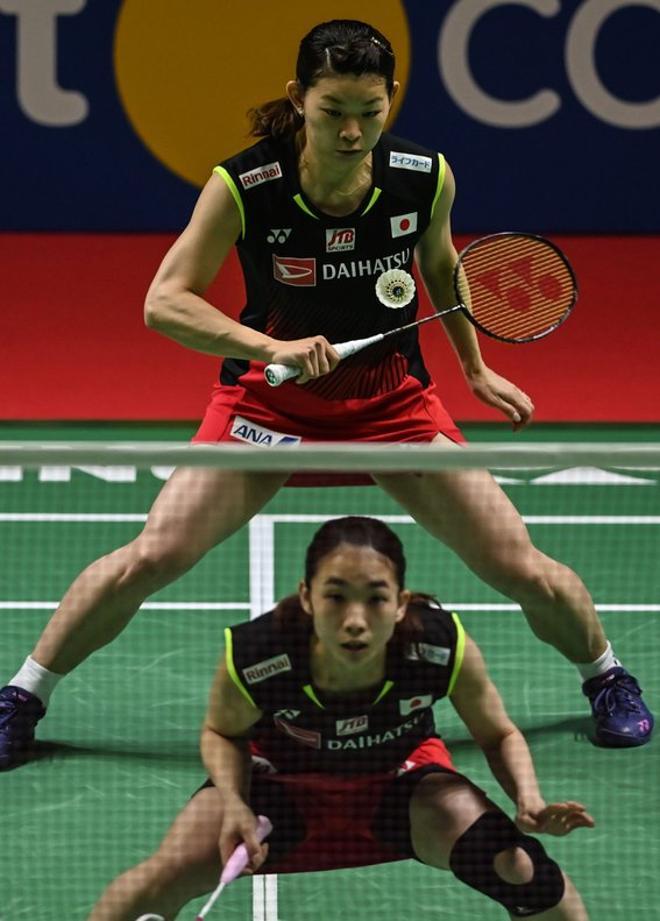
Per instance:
x=339, y=239
x=291, y=270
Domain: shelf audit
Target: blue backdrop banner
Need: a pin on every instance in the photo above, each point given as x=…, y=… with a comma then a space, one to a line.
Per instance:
x=113, y=112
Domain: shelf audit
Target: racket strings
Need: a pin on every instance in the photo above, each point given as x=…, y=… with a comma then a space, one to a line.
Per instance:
x=516, y=287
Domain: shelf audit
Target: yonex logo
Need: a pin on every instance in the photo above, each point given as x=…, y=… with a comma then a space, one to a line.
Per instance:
x=403, y=224
x=287, y=714
x=265, y=173
x=339, y=239
x=409, y=161
x=295, y=271
x=266, y=669
x=244, y=430
x=279, y=235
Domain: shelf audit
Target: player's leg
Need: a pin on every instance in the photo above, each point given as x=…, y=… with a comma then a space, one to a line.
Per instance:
x=196, y=509
x=186, y=865
x=470, y=513
x=454, y=826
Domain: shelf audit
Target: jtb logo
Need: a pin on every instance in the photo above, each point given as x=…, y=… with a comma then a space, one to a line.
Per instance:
x=339, y=239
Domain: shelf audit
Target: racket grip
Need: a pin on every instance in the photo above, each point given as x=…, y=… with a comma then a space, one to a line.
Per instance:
x=277, y=374
x=240, y=857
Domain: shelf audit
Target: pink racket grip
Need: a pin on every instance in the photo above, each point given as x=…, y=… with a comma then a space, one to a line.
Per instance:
x=240, y=857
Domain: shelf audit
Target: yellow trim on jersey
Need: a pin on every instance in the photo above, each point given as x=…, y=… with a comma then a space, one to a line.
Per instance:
x=311, y=693
x=235, y=194
x=460, y=651
x=231, y=668
x=385, y=689
x=375, y=195
x=441, y=181
x=301, y=204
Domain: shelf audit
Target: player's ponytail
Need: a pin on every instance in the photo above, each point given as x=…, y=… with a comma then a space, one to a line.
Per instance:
x=277, y=119
x=341, y=46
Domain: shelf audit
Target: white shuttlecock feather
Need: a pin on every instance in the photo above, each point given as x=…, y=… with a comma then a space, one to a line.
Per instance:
x=395, y=288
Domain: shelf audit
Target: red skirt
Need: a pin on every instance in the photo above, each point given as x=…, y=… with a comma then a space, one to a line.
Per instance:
x=409, y=413
x=330, y=822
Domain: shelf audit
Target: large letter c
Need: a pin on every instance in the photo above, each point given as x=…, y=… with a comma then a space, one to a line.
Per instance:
x=453, y=61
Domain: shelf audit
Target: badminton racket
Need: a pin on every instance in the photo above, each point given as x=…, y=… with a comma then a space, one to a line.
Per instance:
x=235, y=865
x=515, y=287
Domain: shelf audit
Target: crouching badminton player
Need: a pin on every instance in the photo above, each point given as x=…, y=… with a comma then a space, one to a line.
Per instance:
x=320, y=718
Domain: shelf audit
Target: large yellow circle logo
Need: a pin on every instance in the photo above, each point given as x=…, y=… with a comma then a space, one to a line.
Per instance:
x=188, y=70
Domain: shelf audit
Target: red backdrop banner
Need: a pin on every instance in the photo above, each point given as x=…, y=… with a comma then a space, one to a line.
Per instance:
x=74, y=346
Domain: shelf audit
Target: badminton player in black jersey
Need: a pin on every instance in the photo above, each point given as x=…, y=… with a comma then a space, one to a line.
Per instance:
x=320, y=719
x=319, y=207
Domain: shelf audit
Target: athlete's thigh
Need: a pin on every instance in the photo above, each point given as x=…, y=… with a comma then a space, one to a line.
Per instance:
x=442, y=807
x=191, y=844
x=465, y=509
x=199, y=506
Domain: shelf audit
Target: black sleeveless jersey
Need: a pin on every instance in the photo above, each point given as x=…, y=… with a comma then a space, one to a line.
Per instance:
x=308, y=273
x=304, y=730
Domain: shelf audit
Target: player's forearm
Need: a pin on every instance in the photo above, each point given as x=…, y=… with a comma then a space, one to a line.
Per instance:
x=228, y=763
x=463, y=338
x=194, y=323
x=513, y=768
x=439, y=284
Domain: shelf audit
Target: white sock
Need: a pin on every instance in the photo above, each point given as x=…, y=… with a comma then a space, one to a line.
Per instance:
x=601, y=665
x=36, y=679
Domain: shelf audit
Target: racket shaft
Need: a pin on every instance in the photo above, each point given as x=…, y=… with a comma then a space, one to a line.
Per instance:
x=276, y=374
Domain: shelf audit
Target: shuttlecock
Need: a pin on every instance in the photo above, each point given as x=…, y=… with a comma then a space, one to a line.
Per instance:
x=395, y=288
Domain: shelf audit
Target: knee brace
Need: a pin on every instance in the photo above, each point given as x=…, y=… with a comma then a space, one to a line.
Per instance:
x=472, y=857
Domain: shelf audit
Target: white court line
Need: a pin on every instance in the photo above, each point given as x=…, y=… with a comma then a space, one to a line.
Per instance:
x=268, y=605
x=82, y=517
x=262, y=598
x=71, y=516
x=528, y=519
x=147, y=606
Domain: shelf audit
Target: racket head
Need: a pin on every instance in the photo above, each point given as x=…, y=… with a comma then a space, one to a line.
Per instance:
x=519, y=286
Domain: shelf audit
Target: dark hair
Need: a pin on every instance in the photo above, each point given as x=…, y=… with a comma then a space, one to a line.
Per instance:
x=358, y=531
x=341, y=46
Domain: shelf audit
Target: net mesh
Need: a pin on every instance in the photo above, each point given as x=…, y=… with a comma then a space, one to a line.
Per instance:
x=118, y=751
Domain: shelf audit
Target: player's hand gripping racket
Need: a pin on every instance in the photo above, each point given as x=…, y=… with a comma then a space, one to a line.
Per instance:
x=515, y=287
x=233, y=868
x=235, y=865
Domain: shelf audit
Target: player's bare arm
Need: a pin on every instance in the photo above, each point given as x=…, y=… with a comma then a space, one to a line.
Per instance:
x=436, y=257
x=175, y=304
x=478, y=703
x=229, y=718
x=226, y=756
